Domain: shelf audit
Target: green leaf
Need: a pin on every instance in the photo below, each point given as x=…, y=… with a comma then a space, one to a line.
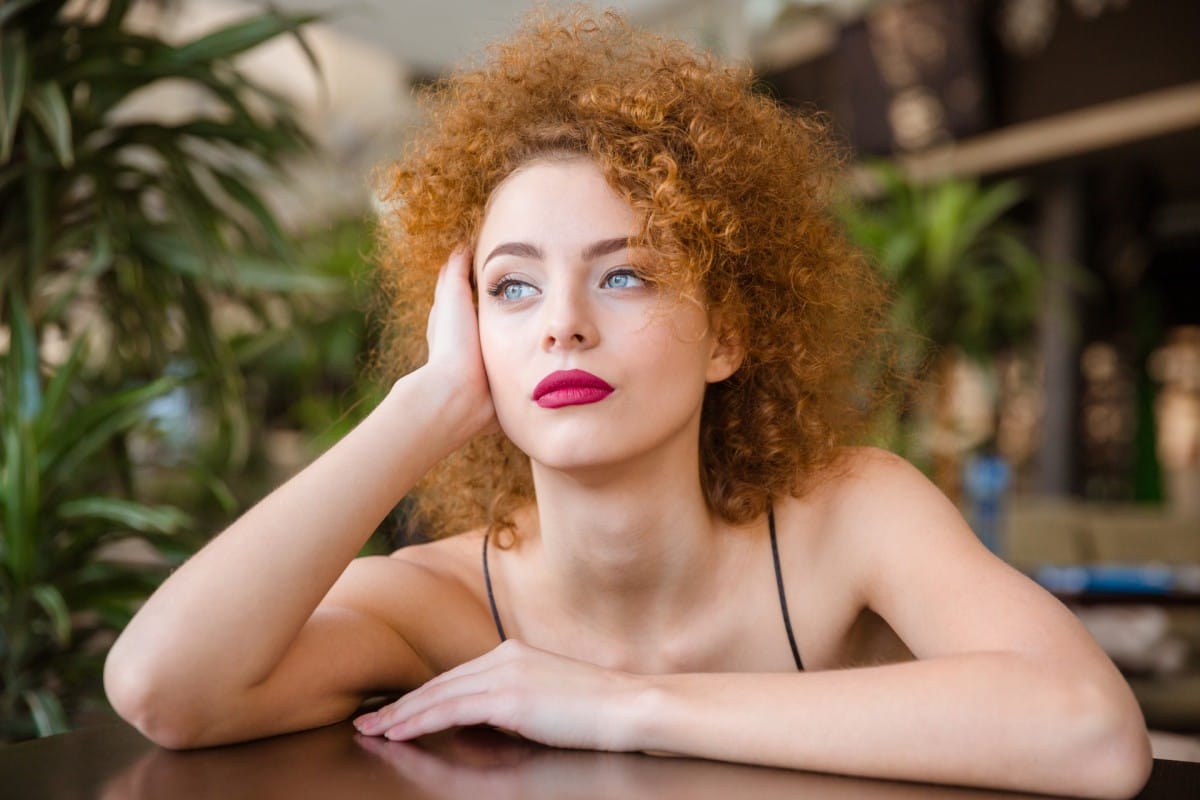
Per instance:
x=898, y=253
x=14, y=71
x=49, y=108
x=987, y=209
x=56, y=609
x=238, y=37
x=126, y=513
x=100, y=260
x=943, y=246
x=298, y=35
x=250, y=200
x=92, y=428
x=19, y=482
x=36, y=205
x=113, y=591
x=54, y=398
x=23, y=379
x=47, y=711
x=177, y=254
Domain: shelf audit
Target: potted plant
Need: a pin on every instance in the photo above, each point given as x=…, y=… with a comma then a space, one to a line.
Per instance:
x=965, y=281
x=118, y=239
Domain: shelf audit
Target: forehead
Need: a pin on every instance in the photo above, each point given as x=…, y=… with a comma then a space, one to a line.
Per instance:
x=562, y=197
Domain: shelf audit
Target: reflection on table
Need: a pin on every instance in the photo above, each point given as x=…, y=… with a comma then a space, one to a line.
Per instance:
x=113, y=762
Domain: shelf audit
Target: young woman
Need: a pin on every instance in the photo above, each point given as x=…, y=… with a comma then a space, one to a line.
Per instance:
x=643, y=372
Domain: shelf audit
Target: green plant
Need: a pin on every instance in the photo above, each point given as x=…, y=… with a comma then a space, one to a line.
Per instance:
x=964, y=278
x=139, y=227
x=61, y=511
x=119, y=237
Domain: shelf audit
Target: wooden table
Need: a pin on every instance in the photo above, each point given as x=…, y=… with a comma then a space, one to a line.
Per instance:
x=113, y=762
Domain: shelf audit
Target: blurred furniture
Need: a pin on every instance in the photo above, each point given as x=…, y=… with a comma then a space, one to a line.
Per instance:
x=1132, y=573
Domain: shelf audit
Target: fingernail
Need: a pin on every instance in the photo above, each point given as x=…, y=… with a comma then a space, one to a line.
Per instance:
x=364, y=722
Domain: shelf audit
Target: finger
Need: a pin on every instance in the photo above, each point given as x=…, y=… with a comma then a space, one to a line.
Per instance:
x=372, y=723
x=469, y=709
x=455, y=272
x=451, y=289
x=420, y=700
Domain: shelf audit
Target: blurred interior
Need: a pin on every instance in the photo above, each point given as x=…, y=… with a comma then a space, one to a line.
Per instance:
x=1093, y=105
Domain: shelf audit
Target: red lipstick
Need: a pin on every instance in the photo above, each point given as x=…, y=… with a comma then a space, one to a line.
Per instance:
x=571, y=387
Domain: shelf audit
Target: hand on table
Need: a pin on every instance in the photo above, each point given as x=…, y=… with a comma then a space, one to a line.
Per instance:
x=541, y=696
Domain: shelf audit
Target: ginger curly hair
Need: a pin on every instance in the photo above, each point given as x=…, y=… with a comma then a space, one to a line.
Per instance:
x=733, y=193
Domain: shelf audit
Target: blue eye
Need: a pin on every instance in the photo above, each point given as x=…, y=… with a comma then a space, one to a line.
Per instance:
x=511, y=289
x=622, y=279
x=515, y=290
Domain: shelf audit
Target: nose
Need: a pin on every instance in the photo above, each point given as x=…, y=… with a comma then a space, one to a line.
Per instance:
x=568, y=322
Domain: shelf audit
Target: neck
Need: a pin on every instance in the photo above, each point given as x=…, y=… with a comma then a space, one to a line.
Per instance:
x=630, y=551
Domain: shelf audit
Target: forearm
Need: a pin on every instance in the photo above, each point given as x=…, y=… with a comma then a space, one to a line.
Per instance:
x=986, y=719
x=253, y=587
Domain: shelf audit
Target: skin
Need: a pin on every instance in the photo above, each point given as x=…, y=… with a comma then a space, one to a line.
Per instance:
x=638, y=620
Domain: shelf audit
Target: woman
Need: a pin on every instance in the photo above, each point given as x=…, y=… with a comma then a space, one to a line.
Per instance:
x=643, y=410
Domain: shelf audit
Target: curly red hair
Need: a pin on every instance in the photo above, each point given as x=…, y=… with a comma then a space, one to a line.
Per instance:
x=733, y=193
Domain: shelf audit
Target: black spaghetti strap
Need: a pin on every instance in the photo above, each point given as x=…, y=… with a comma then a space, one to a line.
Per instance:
x=487, y=580
x=787, y=622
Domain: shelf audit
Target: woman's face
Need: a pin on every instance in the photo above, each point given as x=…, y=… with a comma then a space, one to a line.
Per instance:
x=589, y=363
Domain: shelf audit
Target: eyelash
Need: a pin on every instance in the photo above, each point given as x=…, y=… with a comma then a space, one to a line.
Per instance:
x=496, y=289
x=499, y=286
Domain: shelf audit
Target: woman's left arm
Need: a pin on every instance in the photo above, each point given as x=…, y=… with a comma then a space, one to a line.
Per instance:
x=1008, y=691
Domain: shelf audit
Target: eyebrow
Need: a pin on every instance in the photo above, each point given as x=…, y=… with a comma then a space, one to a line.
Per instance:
x=603, y=247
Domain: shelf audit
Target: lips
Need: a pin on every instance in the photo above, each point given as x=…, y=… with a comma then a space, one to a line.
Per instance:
x=572, y=387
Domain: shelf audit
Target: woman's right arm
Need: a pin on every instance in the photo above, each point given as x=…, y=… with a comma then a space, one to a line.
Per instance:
x=229, y=647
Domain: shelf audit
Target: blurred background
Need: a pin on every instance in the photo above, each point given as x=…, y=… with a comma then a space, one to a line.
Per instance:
x=185, y=284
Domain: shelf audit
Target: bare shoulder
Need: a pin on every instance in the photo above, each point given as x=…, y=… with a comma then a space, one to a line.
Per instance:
x=866, y=495
x=868, y=512
x=915, y=561
x=875, y=499
x=866, y=470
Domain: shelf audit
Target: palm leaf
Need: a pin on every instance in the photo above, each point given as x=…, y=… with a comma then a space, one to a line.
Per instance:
x=101, y=258
x=48, y=106
x=54, y=399
x=127, y=514
x=19, y=481
x=89, y=430
x=47, y=711
x=248, y=273
x=237, y=38
x=987, y=209
x=56, y=610
x=14, y=71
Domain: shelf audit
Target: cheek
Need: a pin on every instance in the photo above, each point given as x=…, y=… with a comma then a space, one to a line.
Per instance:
x=500, y=361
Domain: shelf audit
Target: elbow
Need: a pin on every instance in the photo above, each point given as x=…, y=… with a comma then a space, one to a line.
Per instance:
x=139, y=696
x=1113, y=757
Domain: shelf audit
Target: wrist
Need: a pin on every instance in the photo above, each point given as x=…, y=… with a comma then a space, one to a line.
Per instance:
x=646, y=708
x=448, y=416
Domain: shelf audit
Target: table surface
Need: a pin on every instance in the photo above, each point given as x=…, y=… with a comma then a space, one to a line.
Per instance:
x=113, y=762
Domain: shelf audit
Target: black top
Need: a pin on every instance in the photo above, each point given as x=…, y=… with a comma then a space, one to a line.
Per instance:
x=787, y=622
